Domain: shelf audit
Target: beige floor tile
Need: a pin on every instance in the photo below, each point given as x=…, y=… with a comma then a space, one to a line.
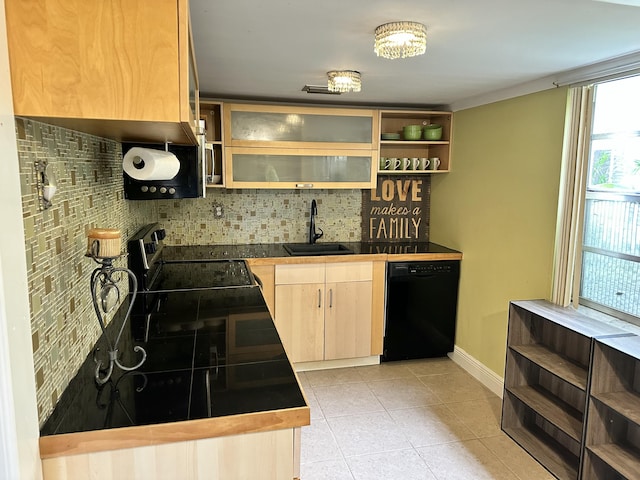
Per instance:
x=481, y=416
x=367, y=434
x=456, y=387
x=465, y=460
x=372, y=429
x=396, y=465
x=318, y=443
x=333, y=376
x=346, y=399
x=516, y=459
x=430, y=425
x=327, y=470
x=384, y=371
x=432, y=366
x=403, y=393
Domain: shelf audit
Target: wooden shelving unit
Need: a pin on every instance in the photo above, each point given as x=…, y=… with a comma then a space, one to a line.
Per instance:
x=393, y=121
x=612, y=440
x=211, y=113
x=547, y=382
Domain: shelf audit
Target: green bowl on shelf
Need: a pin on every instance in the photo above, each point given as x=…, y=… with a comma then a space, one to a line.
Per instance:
x=390, y=136
x=432, y=131
x=412, y=132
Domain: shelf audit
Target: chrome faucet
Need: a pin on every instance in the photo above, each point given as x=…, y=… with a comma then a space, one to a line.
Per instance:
x=313, y=236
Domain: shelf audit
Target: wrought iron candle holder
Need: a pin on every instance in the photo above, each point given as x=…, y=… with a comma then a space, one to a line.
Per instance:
x=103, y=288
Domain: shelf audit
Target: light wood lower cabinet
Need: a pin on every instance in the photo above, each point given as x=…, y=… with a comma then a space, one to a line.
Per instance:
x=546, y=383
x=272, y=455
x=324, y=311
x=347, y=322
x=301, y=320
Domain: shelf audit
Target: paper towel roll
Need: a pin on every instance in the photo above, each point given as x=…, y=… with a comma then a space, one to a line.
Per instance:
x=150, y=164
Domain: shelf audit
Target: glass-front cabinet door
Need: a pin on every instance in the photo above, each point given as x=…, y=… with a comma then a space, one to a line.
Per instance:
x=299, y=168
x=300, y=127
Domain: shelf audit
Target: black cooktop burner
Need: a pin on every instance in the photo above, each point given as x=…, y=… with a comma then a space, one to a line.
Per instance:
x=194, y=275
x=155, y=272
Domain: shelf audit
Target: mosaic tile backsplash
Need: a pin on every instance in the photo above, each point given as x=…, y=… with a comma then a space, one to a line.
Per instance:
x=261, y=216
x=87, y=171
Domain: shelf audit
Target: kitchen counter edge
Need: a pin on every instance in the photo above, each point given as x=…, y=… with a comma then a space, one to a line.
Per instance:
x=147, y=435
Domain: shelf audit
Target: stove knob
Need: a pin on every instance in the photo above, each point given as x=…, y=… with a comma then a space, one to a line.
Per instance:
x=152, y=189
x=172, y=190
x=163, y=189
x=144, y=189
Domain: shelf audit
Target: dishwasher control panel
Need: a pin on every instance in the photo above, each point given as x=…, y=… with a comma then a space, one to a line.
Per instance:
x=418, y=268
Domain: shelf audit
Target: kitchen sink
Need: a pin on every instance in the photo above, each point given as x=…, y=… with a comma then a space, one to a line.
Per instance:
x=307, y=249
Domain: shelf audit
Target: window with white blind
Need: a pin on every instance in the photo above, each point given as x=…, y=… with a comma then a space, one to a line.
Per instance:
x=610, y=263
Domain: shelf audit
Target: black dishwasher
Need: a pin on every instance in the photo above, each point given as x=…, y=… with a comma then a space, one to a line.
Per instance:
x=422, y=299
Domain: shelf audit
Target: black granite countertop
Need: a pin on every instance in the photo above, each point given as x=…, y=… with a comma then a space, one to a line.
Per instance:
x=276, y=250
x=210, y=353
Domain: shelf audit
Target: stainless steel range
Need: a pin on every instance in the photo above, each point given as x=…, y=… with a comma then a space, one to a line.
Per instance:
x=156, y=273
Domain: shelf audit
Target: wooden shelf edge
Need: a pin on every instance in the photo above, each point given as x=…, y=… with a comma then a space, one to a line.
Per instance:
x=561, y=418
x=414, y=142
x=410, y=172
x=568, y=318
x=554, y=363
x=623, y=403
x=546, y=451
x=619, y=458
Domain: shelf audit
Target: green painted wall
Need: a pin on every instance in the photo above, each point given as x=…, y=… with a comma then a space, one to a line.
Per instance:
x=498, y=206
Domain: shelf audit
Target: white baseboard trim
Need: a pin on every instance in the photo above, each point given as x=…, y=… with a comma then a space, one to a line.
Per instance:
x=478, y=370
x=342, y=363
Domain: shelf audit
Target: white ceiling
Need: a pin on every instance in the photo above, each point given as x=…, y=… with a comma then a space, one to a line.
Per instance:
x=269, y=49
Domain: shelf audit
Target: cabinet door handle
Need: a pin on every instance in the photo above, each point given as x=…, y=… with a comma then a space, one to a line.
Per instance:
x=304, y=185
x=319, y=298
x=331, y=298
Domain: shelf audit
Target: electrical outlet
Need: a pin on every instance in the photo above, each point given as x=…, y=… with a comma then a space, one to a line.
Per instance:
x=218, y=211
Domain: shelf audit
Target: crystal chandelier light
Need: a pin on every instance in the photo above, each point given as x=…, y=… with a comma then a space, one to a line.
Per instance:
x=344, y=81
x=400, y=40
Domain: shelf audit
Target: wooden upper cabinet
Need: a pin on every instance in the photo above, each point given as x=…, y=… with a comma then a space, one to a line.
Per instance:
x=122, y=69
x=288, y=127
x=271, y=146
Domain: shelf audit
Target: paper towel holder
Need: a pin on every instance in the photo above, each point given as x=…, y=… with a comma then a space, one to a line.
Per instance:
x=187, y=183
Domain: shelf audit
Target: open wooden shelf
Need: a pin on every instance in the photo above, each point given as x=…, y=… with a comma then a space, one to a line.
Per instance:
x=624, y=460
x=625, y=403
x=552, y=409
x=393, y=121
x=612, y=433
x=555, y=363
x=620, y=458
x=550, y=453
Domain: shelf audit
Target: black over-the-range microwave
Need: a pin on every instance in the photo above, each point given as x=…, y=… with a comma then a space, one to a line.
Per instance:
x=187, y=183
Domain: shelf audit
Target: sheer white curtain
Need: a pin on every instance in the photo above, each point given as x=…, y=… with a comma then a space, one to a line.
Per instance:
x=573, y=180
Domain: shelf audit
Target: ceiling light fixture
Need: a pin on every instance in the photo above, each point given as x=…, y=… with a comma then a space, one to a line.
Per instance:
x=400, y=40
x=344, y=81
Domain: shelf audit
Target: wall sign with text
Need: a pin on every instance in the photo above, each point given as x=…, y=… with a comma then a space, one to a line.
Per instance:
x=397, y=210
